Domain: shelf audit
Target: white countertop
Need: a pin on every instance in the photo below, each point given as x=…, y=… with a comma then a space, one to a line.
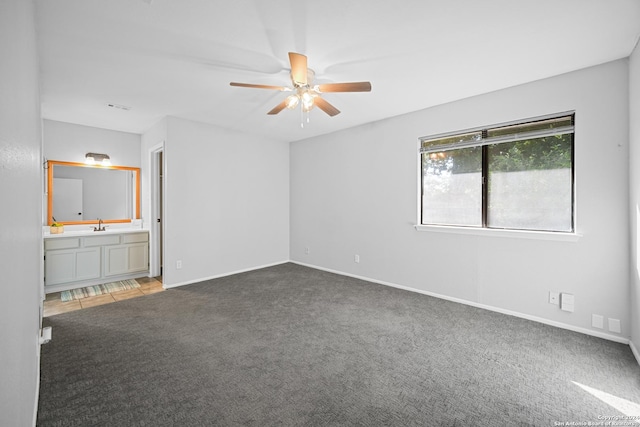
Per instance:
x=89, y=232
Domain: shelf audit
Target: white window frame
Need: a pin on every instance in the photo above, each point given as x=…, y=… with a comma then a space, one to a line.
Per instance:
x=487, y=231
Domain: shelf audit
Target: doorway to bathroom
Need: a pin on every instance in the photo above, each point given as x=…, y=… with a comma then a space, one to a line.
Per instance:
x=157, y=210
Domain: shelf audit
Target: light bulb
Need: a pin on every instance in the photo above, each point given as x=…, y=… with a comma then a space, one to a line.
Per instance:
x=89, y=160
x=292, y=101
x=307, y=101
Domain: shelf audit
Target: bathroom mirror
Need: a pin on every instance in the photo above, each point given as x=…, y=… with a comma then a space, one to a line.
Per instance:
x=80, y=194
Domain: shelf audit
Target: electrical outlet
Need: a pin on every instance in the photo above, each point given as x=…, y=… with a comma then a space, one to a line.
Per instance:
x=178, y=264
x=307, y=251
x=356, y=258
x=554, y=297
x=567, y=302
x=614, y=325
x=597, y=321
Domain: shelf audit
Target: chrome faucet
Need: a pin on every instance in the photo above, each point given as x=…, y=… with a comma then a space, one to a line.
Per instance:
x=100, y=227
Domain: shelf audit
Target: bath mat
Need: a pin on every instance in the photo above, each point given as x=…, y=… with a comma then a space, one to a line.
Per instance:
x=91, y=291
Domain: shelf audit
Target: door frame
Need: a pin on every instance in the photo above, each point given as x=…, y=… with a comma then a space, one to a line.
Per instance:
x=157, y=230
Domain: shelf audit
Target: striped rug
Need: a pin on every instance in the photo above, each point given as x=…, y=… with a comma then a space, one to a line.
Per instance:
x=91, y=291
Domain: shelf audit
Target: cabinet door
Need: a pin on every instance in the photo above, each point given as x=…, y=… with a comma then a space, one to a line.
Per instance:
x=59, y=266
x=138, y=257
x=72, y=265
x=88, y=264
x=116, y=260
x=124, y=259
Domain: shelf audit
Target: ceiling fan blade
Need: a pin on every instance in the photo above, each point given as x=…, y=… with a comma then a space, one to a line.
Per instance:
x=278, y=108
x=345, y=87
x=325, y=106
x=298, y=68
x=281, y=88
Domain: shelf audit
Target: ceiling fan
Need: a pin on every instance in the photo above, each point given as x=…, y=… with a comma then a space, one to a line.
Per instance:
x=305, y=93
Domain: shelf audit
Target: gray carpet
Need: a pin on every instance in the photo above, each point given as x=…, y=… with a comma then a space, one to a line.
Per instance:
x=294, y=346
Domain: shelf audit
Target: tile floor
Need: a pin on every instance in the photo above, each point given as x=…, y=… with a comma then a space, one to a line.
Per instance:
x=54, y=305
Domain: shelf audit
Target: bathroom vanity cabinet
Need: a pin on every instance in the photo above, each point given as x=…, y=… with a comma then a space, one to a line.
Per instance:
x=73, y=261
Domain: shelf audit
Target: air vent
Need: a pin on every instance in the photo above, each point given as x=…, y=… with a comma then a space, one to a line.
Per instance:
x=119, y=107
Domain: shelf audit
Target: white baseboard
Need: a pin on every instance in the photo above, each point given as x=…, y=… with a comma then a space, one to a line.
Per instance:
x=231, y=273
x=561, y=325
x=634, y=350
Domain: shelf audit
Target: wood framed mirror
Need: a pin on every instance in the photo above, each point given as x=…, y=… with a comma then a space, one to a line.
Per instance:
x=78, y=193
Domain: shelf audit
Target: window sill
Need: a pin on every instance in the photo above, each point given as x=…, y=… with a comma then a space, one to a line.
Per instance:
x=492, y=232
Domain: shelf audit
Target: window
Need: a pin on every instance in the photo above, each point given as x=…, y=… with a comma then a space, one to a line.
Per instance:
x=517, y=176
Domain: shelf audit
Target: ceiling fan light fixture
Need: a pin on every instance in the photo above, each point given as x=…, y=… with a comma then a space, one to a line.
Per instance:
x=307, y=101
x=292, y=101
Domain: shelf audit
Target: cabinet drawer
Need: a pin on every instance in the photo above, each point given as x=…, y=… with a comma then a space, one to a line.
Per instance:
x=50, y=244
x=135, y=238
x=112, y=239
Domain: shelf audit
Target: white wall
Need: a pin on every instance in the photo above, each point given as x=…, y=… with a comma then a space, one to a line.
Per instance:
x=151, y=139
x=227, y=200
x=355, y=192
x=69, y=142
x=634, y=194
x=20, y=235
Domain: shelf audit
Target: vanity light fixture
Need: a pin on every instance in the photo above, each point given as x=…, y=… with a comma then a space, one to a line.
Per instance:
x=97, y=158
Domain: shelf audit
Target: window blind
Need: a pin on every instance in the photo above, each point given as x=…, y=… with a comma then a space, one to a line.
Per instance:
x=507, y=133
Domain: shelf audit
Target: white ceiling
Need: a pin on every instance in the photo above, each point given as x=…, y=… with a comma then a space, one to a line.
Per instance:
x=177, y=57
